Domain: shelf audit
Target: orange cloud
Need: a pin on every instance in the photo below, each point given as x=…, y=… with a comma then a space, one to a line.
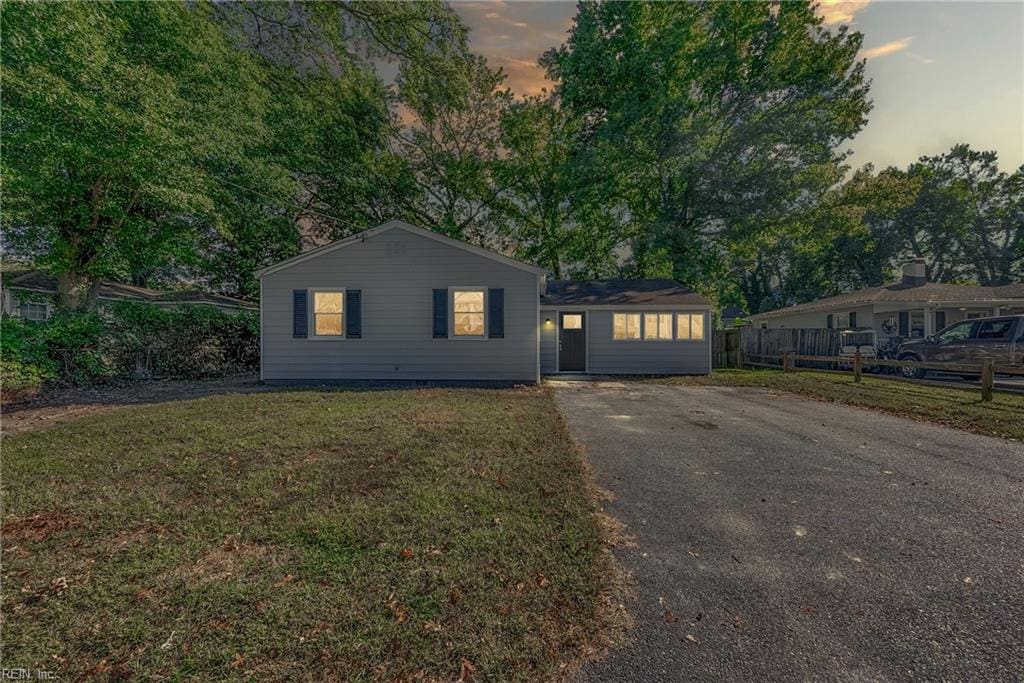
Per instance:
x=886, y=48
x=840, y=11
x=513, y=35
x=525, y=77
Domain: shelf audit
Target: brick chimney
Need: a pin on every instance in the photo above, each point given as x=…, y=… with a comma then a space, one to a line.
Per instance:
x=914, y=273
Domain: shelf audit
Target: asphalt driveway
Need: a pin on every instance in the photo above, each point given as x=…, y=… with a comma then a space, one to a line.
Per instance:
x=784, y=538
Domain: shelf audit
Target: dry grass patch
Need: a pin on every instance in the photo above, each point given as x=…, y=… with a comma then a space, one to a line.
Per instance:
x=346, y=535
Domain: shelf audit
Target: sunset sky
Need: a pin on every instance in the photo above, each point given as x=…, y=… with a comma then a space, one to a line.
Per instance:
x=942, y=72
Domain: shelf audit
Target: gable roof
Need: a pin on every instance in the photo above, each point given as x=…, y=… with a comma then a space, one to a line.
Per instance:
x=618, y=292
x=390, y=225
x=41, y=281
x=898, y=292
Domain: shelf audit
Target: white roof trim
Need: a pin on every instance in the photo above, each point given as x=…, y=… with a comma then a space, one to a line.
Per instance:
x=416, y=230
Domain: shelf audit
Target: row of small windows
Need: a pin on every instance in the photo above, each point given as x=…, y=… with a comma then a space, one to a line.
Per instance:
x=658, y=326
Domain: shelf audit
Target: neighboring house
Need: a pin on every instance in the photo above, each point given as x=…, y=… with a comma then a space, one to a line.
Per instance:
x=733, y=316
x=910, y=308
x=30, y=295
x=401, y=303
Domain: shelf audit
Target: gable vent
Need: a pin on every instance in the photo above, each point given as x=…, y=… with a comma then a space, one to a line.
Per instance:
x=394, y=248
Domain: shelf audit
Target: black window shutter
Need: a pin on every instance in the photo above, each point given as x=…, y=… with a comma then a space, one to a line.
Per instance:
x=904, y=324
x=853, y=320
x=830, y=321
x=300, y=313
x=440, y=313
x=496, y=313
x=354, y=313
x=940, y=320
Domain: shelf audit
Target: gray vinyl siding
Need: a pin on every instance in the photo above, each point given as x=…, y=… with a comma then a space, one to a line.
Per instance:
x=397, y=342
x=548, y=342
x=607, y=356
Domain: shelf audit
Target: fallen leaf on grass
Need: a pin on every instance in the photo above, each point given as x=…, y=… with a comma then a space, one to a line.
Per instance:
x=670, y=618
x=405, y=554
x=58, y=585
x=101, y=667
x=466, y=671
x=287, y=579
x=237, y=661
x=401, y=613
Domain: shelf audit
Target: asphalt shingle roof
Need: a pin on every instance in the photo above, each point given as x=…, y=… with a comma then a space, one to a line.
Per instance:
x=618, y=291
x=900, y=292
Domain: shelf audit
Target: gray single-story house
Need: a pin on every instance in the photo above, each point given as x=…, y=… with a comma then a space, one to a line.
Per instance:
x=398, y=303
x=910, y=308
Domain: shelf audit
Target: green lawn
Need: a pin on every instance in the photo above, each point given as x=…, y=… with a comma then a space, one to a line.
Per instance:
x=961, y=408
x=385, y=535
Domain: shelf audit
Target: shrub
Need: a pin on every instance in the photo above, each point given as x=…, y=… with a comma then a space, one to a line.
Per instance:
x=19, y=381
x=134, y=340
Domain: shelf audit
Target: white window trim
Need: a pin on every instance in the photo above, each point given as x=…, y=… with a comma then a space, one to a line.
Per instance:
x=311, y=314
x=451, y=313
x=691, y=340
x=640, y=327
x=672, y=327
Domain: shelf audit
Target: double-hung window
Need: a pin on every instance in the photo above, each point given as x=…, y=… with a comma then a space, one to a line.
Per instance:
x=690, y=326
x=328, y=314
x=626, y=326
x=658, y=326
x=469, y=306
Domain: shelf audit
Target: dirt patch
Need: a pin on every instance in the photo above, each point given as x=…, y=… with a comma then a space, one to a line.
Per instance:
x=431, y=416
x=70, y=403
x=142, y=534
x=38, y=527
x=220, y=563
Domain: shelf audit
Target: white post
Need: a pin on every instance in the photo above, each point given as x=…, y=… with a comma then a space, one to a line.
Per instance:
x=929, y=321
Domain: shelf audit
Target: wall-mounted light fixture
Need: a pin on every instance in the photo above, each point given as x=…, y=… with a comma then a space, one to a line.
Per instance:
x=547, y=321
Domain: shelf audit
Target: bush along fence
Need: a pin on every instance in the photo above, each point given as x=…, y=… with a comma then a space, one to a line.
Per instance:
x=126, y=340
x=819, y=349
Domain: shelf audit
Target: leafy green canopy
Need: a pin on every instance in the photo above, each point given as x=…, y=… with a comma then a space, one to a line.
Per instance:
x=143, y=139
x=117, y=118
x=717, y=121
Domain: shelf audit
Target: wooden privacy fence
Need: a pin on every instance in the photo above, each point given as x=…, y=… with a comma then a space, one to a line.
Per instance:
x=738, y=346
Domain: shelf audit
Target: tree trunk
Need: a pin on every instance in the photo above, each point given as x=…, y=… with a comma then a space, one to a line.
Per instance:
x=76, y=292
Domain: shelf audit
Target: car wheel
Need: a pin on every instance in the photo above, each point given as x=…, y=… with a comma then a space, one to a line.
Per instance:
x=912, y=373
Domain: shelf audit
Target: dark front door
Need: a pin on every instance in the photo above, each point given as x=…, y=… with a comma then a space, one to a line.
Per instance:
x=572, y=342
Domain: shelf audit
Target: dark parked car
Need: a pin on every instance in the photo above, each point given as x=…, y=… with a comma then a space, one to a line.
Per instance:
x=971, y=342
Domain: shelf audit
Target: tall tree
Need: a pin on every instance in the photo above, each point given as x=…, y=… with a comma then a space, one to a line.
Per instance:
x=721, y=119
x=451, y=145
x=554, y=208
x=113, y=114
x=966, y=218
